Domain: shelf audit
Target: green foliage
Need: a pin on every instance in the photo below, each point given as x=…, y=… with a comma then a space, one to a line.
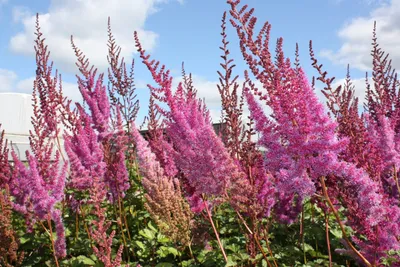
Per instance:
x=149, y=247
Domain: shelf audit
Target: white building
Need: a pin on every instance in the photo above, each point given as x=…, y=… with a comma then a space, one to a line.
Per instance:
x=15, y=118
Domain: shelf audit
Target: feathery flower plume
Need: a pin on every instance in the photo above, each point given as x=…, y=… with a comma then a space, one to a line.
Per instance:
x=4, y=164
x=122, y=86
x=85, y=153
x=163, y=194
x=201, y=156
x=38, y=187
x=113, y=144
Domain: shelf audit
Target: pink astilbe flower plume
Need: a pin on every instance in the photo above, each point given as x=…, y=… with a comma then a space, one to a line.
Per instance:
x=85, y=154
x=4, y=164
x=163, y=194
x=114, y=157
x=113, y=144
x=39, y=187
x=34, y=196
x=94, y=93
x=201, y=155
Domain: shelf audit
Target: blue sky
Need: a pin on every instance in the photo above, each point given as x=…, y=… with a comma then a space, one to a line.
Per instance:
x=189, y=30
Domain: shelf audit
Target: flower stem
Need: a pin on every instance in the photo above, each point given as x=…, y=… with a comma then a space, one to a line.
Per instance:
x=51, y=239
x=324, y=189
x=215, y=231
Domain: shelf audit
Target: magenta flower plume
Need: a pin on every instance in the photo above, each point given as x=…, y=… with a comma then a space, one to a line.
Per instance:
x=4, y=164
x=116, y=176
x=85, y=154
x=94, y=93
x=111, y=144
x=201, y=155
x=34, y=197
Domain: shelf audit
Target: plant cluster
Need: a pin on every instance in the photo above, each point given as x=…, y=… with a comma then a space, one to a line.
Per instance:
x=315, y=189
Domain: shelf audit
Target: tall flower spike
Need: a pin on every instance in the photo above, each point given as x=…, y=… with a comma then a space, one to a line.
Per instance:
x=94, y=93
x=163, y=194
x=4, y=164
x=201, y=157
x=85, y=153
x=122, y=89
x=39, y=187
x=113, y=143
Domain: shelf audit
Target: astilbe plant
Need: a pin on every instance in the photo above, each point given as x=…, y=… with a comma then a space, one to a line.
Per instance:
x=343, y=159
x=94, y=95
x=373, y=135
x=200, y=153
x=205, y=164
x=164, y=198
x=97, y=156
x=38, y=187
x=302, y=146
x=251, y=194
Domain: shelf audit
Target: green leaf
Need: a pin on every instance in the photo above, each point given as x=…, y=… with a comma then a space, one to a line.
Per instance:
x=308, y=247
x=173, y=251
x=164, y=264
x=140, y=244
x=162, y=239
x=147, y=234
x=336, y=232
x=85, y=260
x=230, y=262
x=150, y=225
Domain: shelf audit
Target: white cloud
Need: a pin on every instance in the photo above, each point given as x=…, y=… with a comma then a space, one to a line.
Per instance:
x=7, y=79
x=357, y=35
x=86, y=20
x=19, y=13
